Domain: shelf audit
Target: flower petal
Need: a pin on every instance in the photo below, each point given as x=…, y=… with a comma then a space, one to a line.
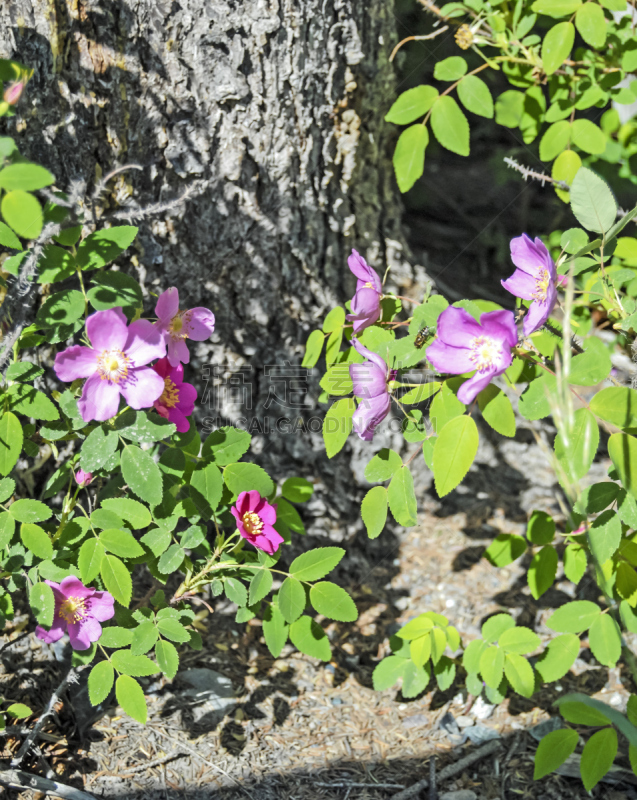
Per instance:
x=369, y=414
x=75, y=362
x=162, y=367
x=537, y=315
x=373, y=357
x=471, y=388
x=54, y=634
x=187, y=398
x=364, y=272
x=145, y=343
x=84, y=632
x=99, y=400
x=368, y=379
x=520, y=284
x=500, y=325
x=200, y=324
x=167, y=304
x=448, y=359
x=179, y=419
x=107, y=330
x=142, y=387
x=73, y=587
x=457, y=327
x=177, y=351
x=102, y=606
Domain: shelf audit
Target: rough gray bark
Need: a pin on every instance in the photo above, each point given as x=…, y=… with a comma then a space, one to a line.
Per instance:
x=275, y=106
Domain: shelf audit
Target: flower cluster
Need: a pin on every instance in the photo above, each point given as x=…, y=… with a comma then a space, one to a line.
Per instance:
x=117, y=362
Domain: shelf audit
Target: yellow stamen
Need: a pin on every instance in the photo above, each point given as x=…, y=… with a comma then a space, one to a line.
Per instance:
x=542, y=285
x=170, y=395
x=464, y=37
x=73, y=609
x=484, y=352
x=252, y=523
x=177, y=324
x=112, y=365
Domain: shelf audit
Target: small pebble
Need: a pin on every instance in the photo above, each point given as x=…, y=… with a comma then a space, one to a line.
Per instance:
x=415, y=722
x=481, y=709
x=462, y=794
x=464, y=722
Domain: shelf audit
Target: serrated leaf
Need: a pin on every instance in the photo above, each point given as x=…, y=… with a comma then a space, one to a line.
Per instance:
x=167, y=658
x=127, y=663
x=333, y=602
x=409, y=106
x=553, y=751
x=454, y=452
x=35, y=539
x=402, y=498
x=90, y=559
x=130, y=510
x=519, y=640
x=409, y=156
x=142, y=474
x=475, y=96
x=592, y=201
x=144, y=637
x=542, y=571
x=604, y=638
x=316, y=564
x=291, y=599
x=308, y=637
x=117, y=579
x=260, y=585
x=495, y=626
x=103, y=246
x=173, y=629
x=388, y=672
x=497, y=410
x=100, y=682
x=450, y=125
x=598, y=756
x=504, y=549
x=275, y=630
x=492, y=665
x=559, y=657
x=10, y=442
x=557, y=45
x=130, y=696
x=374, y=510
x=22, y=212
x=574, y=617
x=42, y=602
x=519, y=673
x=121, y=542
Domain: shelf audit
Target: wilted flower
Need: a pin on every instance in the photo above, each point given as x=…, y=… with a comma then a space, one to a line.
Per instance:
x=370, y=381
x=255, y=519
x=463, y=345
x=178, y=398
x=78, y=610
x=366, y=301
x=534, y=279
x=176, y=326
x=115, y=364
x=83, y=478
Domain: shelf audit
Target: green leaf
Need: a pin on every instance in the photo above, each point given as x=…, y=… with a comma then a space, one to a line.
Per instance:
x=556, y=8
x=383, y=465
x=475, y=96
x=8, y=238
x=316, y=564
x=25, y=176
x=7, y=528
x=173, y=629
x=495, y=626
x=297, y=490
x=333, y=602
x=35, y=539
x=42, y=602
x=583, y=710
x=260, y=585
x=140, y=426
x=519, y=640
x=275, y=630
x=171, y=559
x=142, y=474
x=622, y=450
x=117, y=579
x=236, y=591
x=598, y=756
x=100, y=682
x=557, y=46
x=605, y=535
x=592, y=201
x=409, y=155
x=597, y=497
x=541, y=528
x=291, y=599
x=575, y=562
x=454, y=452
x=167, y=658
x=23, y=371
x=509, y=108
x=497, y=410
x=374, y=511
x=450, y=69
x=313, y=349
x=445, y=407
x=22, y=212
x=130, y=696
x=555, y=139
x=144, y=637
x=388, y=672
x=10, y=442
x=121, y=542
x=542, y=571
x=504, y=549
x=409, y=106
x=591, y=25
x=415, y=679
x=605, y=640
x=558, y=658
x=115, y=290
x=29, y=511
x=127, y=663
x=337, y=381
x=420, y=650
x=247, y=477
x=226, y=445
x=401, y=498
x=472, y=654
x=136, y=514
x=416, y=627
x=98, y=448
x=62, y=308
x=519, y=673
x=55, y=264
x=103, y=246
x=616, y=404
x=7, y=488
x=574, y=617
x=90, y=559
x=586, y=135
x=207, y=484
x=445, y=672
x=553, y=751
x=492, y=666
x=308, y=637
x=420, y=393
x=116, y=637
x=450, y=125
x=575, y=449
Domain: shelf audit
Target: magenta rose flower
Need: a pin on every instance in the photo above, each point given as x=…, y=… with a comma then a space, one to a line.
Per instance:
x=370, y=381
x=255, y=518
x=178, y=398
x=176, y=326
x=83, y=478
x=535, y=279
x=366, y=301
x=79, y=611
x=114, y=365
x=13, y=92
x=463, y=345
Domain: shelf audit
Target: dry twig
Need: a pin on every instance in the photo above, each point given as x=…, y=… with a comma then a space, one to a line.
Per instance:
x=527, y=173
x=17, y=779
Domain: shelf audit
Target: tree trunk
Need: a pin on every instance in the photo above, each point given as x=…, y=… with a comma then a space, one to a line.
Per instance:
x=274, y=110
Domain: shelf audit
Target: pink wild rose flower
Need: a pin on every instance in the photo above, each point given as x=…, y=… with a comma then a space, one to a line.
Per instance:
x=255, y=518
x=116, y=364
x=535, y=279
x=178, y=398
x=370, y=381
x=366, y=301
x=78, y=610
x=463, y=345
x=176, y=326
x=83, y=478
